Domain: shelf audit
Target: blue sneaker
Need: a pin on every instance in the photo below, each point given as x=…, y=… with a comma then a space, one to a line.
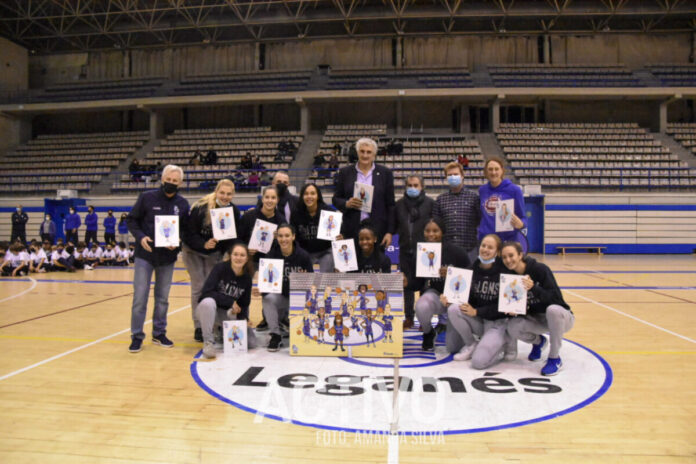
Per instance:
x=537, y=348
x=552, y=367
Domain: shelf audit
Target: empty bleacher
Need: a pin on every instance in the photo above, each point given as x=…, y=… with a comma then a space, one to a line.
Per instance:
x=100, y=90
x=73, y=161
x=230, y=144
x=685, y=134
x=539, y=75
x=602, y=156
x=675, y=75
x=262, y=81
x=370, y=78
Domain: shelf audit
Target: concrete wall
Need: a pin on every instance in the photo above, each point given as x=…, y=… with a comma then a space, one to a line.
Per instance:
x=14, y=77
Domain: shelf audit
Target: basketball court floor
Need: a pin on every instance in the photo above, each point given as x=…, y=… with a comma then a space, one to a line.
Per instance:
x=71, y=392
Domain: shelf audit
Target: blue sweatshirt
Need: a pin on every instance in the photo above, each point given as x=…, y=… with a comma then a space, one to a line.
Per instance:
x=72, y=221
x=122, y=227
x=92, y=221
x=489, y=198
x=110, y=225
x=141, y=223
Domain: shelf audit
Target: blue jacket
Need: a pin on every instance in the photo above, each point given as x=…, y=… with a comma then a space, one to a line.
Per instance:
x=123, y=227
x=489, y=198
x=50, y=230
x=141, y=223
x=73, y=221
x=110, y=225
x=92, y=221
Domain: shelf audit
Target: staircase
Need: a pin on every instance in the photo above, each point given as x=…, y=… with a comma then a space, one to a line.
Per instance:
x=676, y=148
x=104, y=186
x=301, y=168
x=490, y=147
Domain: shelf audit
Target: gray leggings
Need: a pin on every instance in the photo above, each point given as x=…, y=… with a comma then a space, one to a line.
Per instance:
x=210, y=316
x=491, y=336
x=275, y=307
x=426, y=307
x=324, y=259
x=556, y=321
x=198, y=266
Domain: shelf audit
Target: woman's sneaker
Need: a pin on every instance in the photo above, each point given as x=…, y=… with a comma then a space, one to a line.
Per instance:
x=537, y=348
x=466, y=352
x=275, y=342
x=209, y=350
x=552, y=367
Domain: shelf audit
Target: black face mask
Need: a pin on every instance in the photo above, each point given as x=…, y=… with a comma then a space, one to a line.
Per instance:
x=169, y=188
x=282, y=188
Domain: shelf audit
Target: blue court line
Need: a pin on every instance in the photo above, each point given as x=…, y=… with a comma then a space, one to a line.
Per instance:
x=623, y=272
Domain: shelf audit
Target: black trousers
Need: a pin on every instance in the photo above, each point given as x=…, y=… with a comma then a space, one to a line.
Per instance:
x=19, y=234
x=109, y=237
x=91, y=236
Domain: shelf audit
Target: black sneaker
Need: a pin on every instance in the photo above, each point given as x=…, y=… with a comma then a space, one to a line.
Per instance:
x=285, y=325
x=136, y=345
x=162, y=341
x=198, y=335
x=428, y=341
x=262, y=326
x=276, y=341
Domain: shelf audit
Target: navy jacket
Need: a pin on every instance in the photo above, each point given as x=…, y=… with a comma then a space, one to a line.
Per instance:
x=141, y=223
x=383, y=210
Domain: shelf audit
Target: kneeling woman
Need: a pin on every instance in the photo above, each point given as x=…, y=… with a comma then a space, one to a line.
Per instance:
x=429, y=303
x=295, y=259
x=547, y=312
x=480, y=317
x=226, y=293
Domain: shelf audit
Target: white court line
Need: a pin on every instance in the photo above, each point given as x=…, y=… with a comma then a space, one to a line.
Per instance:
x=58, y=356
x=393, y=443
x=33, y=285
x=630, y=316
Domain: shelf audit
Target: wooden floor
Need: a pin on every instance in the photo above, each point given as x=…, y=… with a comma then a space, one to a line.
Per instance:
x=70, y=391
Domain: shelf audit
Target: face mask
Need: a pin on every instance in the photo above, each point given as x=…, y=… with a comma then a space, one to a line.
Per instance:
x=169, y=188
x=282, y=188
x=486, y=261
x=412, y=192
x=19, y=210
x=48, y=218
x=454, y=181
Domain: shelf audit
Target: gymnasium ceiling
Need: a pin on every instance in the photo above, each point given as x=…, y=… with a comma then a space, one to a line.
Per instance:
x=53, y=26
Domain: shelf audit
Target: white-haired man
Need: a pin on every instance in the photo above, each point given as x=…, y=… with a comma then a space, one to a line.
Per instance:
x=164, y=201
x=366, y=171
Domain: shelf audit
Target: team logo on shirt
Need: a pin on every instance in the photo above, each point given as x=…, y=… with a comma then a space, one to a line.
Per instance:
x=437, y=395
x=491, y=204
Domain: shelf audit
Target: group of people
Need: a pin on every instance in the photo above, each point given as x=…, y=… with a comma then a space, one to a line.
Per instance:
x=463, y=221
x=19, y=259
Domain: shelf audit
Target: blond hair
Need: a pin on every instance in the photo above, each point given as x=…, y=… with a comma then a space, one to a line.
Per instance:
x=209, y=199
x=453, y=165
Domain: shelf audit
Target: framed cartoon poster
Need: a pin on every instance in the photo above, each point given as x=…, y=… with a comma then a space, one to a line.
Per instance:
x=512, y=294
x=364, y=192
x=428, y=259
x=344, y=256
x=329, y=225
x=166, y=231
x=333, y=315
x=262, y=236
x=458, y=285
x=222, y=221
x=235, y=337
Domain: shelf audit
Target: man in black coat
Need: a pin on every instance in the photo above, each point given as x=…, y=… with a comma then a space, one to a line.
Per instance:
x=19, y=225
x=366, y=171
x=413, y=211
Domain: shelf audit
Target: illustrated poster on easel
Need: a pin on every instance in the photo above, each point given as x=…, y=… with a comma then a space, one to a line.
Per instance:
x=235, y=337
x=166, y=231
x=428, y=259
x=262, y=236
x=270, y=275
x=458, y=285
x=222, y=221
x=503, y=215
x=345, y=259
x=512, y=295
x=364, y=193
x=329, y=225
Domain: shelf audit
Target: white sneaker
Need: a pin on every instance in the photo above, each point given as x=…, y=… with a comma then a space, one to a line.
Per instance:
x=41, y=271
x=209, y=350
x=88, y=267
x=466, y=352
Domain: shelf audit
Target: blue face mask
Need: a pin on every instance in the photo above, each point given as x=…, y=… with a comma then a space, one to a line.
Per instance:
x=454, y=181
x=412, y=192
x=486, y=261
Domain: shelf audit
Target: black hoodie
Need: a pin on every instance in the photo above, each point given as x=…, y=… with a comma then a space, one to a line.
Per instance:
x=485, y=287
x=545, y=291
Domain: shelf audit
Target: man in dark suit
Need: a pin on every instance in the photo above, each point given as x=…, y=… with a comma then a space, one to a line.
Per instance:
x=366, y=171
